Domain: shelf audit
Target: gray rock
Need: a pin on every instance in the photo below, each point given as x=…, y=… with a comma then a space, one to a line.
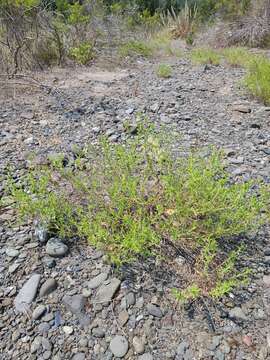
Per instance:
x=56, y=248
x=68, y=330
x=27, y=293
x=106, y=292
x=138, y=344
x=12, y=252
x=38, y=312
x=98, y=332
x=219, y=355
x=242, y=108
x=46, y=355
x=130, y=111
x=75, y=303
x=36, y=344
x=97, y=255
x=84, y=319
x=182, y=348
x=154, y=107
x=46, y=345
x=83, y=341
x=119, y=346
x=215, y=343
x=154, y=310
x=189, y=355
x=238, y=314
x=12, y=268
x=44, y=327
x=48, y=317
x=130, y=299
x=79, y=356
x=114, y=138
x=123, y=317
x=266, y=281
x=49, y=262
x=49, y=286
x=41, y=234
x=97, y=280
x=146, y=356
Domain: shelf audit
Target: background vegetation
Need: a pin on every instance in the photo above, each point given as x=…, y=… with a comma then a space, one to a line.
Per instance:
x=35, y=34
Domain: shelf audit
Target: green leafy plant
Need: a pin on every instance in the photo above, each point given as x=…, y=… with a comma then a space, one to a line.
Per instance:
x=76, y=14
x=164, y=71
x=128, y=199
x=205, y=56
x=83, y=53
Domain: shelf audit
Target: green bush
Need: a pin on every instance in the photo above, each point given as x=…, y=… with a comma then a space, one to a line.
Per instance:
x=164, y=71
x=136, y=199
x=205, y=56
x=82, y=53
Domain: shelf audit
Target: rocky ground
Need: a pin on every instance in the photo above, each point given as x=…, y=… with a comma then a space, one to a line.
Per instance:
x=62, y=301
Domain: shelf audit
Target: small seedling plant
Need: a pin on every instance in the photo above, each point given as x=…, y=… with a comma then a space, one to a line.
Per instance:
x=164, y=71
x=129, y=199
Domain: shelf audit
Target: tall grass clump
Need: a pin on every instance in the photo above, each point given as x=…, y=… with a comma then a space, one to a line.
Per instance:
x=237, y=56
x=135, y=48
x=257, y=80
x=205, y=56
x=137, y=199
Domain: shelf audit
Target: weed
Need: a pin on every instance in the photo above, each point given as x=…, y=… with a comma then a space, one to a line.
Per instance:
x=164, y=71
x=135, y=48
x=257, y=80
x=205, y=56
x=128, y=199
x=83, y=53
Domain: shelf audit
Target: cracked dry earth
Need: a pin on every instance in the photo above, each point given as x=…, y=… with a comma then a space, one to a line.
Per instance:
x=78, y=307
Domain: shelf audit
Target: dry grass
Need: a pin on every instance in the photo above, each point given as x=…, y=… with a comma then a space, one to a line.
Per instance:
x=251, y=30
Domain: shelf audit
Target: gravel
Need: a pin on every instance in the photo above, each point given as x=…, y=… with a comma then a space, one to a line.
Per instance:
x=97, y=311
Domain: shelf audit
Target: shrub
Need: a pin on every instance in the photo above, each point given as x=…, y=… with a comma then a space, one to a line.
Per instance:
x=205, y=56
x=136, y=199
x=135, y=48
x=258, y=78
x=82, y=53
x=164, y=71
